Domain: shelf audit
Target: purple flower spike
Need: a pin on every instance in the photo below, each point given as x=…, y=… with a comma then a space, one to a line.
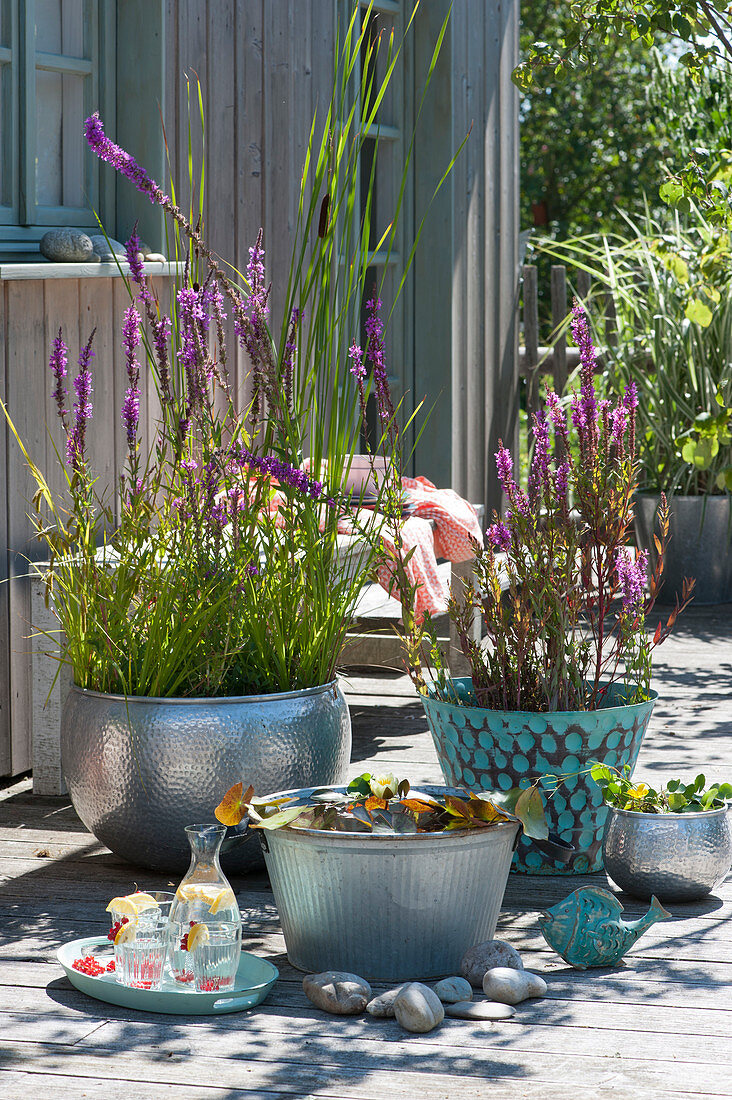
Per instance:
x=131, y=414
x=358, y=370
x=375, y=355
x=131, y=340
x=76, y=442
x=57, y=363
x=632, y=579
x=618, y=420
x=499, y=536
x=125, y=164
x=630, y=398
x=504, y=465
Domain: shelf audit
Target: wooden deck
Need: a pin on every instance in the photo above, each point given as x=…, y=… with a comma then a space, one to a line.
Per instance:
x=658, y=1026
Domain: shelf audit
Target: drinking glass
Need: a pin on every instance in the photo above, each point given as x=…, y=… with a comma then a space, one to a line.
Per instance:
x=143, y=959
x=216, y=958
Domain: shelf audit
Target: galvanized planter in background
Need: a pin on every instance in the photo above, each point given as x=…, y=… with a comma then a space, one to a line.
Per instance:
x=676, y=856
x=496, y=750
x=140, y=769
x=700, y=544
x=387, y=907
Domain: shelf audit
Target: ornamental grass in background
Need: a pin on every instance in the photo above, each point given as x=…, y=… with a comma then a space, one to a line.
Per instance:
x=572, y=620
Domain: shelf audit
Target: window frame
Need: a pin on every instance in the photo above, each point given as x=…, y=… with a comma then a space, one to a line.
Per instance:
x=24, y=220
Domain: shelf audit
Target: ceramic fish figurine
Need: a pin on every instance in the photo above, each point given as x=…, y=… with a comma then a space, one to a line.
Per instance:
x=586, y=929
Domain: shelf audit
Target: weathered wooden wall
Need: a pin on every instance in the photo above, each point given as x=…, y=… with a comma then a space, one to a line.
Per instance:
x=264, y=66
x=32, y=308
x=485, y=243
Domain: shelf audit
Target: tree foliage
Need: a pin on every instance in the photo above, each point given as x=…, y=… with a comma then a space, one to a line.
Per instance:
x=702, y=33
x=589, y=145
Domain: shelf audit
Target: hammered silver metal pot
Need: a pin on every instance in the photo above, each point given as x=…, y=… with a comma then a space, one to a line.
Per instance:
x=700, y=544
x=140, y=769
x=388, y=906
x=677, y=857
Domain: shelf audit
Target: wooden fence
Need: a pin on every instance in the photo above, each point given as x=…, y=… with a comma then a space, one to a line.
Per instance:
x=554, y=357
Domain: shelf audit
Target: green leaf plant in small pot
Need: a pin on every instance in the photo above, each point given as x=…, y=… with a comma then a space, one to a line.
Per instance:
x=562, y=677
x=675, y=843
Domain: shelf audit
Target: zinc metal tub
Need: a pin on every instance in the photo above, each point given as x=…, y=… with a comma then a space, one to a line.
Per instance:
x=388, y=907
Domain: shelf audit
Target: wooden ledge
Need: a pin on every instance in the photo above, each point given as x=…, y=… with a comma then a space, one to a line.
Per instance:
x=83, y=271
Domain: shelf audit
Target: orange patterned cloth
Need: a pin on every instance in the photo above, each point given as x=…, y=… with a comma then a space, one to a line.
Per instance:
x=453, y=525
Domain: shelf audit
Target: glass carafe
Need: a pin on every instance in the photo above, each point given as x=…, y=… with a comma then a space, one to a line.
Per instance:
x=204, y=896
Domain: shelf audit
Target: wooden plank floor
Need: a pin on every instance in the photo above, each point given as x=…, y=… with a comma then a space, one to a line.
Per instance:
x=658, y=1026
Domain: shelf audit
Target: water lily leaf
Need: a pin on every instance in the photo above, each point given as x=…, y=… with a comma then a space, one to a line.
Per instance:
x=285, y=817
x=359, y=811
x=361, y=785
x=529, y=810
x=404, y=824
x=484, y=811
x=234, y=805
x=457, y=806
x=416, y=806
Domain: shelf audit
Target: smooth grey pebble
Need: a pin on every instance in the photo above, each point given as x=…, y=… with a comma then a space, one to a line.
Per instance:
x=484, y=956
x=382, y=1005
x=67, y=246
x=155, y=258
x=479, y=1010
x=338, y=992
x=453, y=990
x=418, y=1008
x=510, y=987
x=107, y=252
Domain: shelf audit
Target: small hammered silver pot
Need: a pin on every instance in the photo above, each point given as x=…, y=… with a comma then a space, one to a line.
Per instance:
x=677, y=857
x=140, y=769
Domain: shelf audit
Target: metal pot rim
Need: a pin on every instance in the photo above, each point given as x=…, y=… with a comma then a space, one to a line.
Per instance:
x=205, y=700
x=670, y=814
x=389, y=838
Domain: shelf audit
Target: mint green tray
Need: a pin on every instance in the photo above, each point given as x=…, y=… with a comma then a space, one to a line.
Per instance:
x=254, y=979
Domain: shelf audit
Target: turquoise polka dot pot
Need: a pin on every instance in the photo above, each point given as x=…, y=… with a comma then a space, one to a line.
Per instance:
x=497, y=750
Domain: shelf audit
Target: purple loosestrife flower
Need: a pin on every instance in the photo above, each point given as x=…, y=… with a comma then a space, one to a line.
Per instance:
x=618, y=419
x=113, y=154
x=358, y=370
x=499, y=536
x=632, y=577
x=131, y=341
x=131, y=415
x=193, y=353
x=539, y=480
x=284, y=472
x=375, y=355
x=588, y=356
x=517, y=498
x=57, y=363
x=630, y=401
x=137, y=270
x=504, y=466
x=250, y=325
x=131, y=403
x=558, y=418
x=288, y=356
x=76, y=441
